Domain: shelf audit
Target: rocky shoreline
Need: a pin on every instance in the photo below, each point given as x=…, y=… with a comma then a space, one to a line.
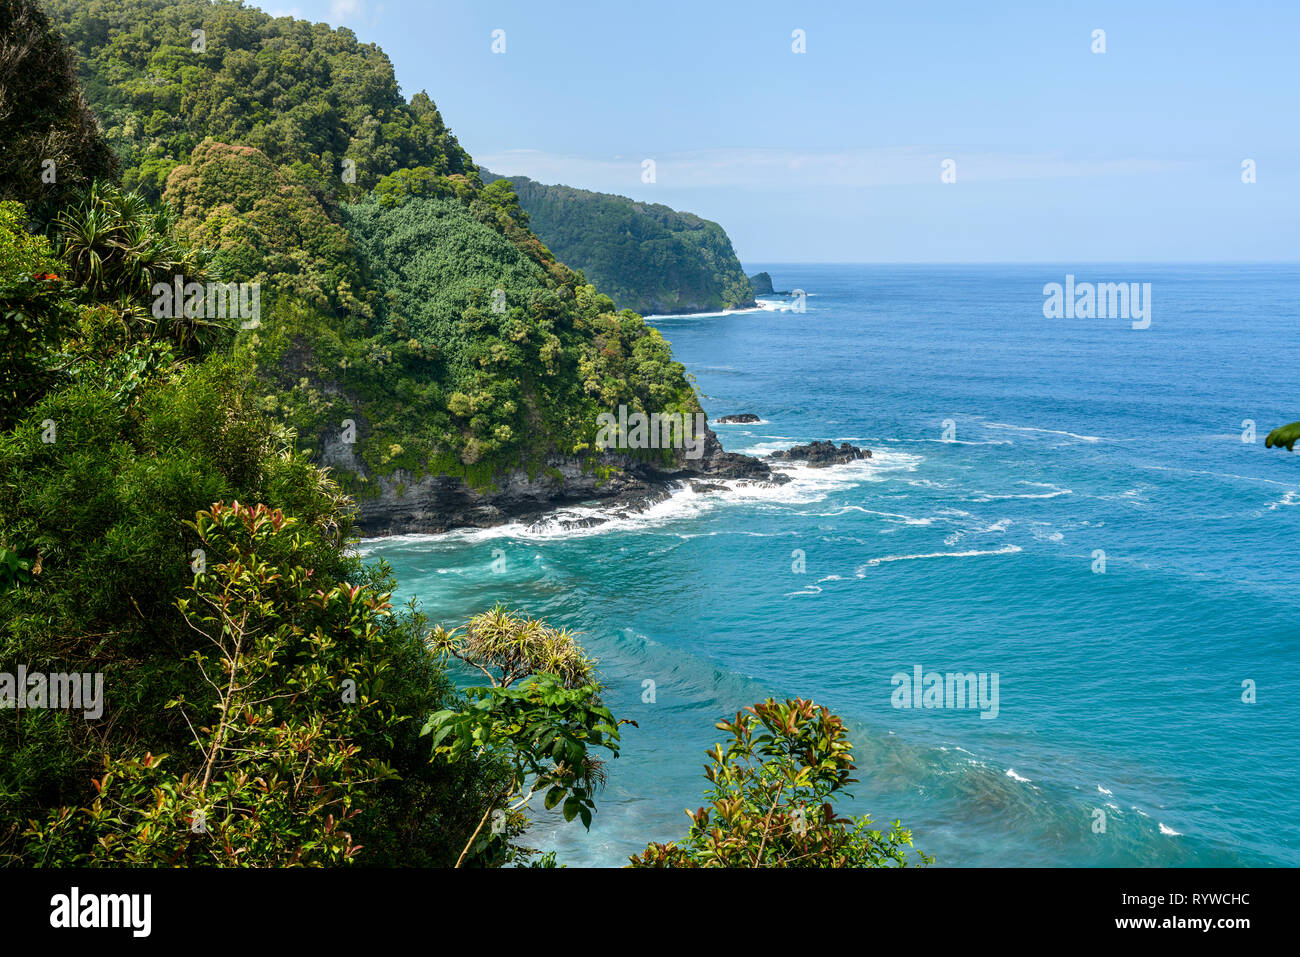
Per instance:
x=434, y=504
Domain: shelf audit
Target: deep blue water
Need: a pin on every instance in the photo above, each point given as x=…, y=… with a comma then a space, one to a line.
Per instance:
x=1118, y=690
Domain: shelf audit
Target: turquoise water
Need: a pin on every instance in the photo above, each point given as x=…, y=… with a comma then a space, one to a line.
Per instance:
x=1119, y=690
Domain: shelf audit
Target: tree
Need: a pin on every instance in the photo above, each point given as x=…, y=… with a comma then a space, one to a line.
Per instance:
x=52, y=142
x=264, y=227
x=541, y=717
x=292, y=670
x=772, y=799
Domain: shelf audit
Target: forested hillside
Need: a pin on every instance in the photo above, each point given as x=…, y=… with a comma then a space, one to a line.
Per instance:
x=288, y=151
x=645, y=256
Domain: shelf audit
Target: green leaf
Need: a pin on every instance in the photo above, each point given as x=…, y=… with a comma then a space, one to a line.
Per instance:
x=571, y=808
x=1284, y=436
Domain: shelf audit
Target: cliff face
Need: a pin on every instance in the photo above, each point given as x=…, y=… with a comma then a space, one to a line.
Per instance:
x=645, y=256
x=400, y=503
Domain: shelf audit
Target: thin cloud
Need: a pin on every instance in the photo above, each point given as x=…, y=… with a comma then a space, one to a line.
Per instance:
x=345, y=10
x=778, y=169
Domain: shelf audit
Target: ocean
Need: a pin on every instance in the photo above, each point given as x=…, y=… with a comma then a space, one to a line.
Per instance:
x=1075, y=506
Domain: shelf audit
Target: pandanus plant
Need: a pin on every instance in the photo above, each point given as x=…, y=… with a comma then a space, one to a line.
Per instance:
x=118, y=247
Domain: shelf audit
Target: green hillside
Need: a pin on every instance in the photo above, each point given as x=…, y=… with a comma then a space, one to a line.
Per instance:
x=287, y=150
x=645, y=256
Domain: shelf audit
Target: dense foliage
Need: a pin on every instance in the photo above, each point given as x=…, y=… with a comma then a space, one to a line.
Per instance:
x=115, y=439
x=286, y=149
x=264, y=227
x=307, y=96
x=51, y=142
x=645, y=256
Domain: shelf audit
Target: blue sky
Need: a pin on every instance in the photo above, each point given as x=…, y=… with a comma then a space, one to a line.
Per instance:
x=834, y=155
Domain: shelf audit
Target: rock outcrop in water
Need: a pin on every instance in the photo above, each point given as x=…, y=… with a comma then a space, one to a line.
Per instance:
x=819, y=455
x=742, y=418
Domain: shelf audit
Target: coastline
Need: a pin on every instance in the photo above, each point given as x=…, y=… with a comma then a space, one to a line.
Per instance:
x=438, y=504
x=760, y=305
x=435, y=504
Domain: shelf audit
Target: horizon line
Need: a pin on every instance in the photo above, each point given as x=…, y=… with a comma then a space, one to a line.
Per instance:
x=1023, y=262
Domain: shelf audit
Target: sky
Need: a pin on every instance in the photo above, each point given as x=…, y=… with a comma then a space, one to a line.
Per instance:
x=837, y=154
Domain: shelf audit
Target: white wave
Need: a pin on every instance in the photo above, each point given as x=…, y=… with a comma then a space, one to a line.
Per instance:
x=806, y=590
x=1169, y=831
x=1232, y=475
x=778, y=305
x=759, y=449
x=759, y=422
x=807, y=485
x=1011, y=773
x=1030, y=428
x=890, y=438
x=892, y=516
x=1056, y=491
x=873, y=562
x=761, y=305
x=1104, y=791
x=717, y=314
x=1288, y=499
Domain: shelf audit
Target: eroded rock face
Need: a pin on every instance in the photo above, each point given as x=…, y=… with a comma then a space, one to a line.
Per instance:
x=821, y=454
x=742, y=418
x=401, y=504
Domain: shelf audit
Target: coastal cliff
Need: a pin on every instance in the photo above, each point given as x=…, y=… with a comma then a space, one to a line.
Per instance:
x=647, y=257
x=402, y=502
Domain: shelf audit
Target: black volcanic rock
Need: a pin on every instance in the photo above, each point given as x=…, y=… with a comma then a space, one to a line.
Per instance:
x=819, y=455
x=761, y=283
x=401, y=503
x=742, y=418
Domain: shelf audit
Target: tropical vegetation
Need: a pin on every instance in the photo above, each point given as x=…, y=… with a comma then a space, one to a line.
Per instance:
x=165, y=521
x=645, y=256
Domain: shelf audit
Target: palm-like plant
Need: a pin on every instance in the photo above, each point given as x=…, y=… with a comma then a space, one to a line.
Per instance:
x=118, y=247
